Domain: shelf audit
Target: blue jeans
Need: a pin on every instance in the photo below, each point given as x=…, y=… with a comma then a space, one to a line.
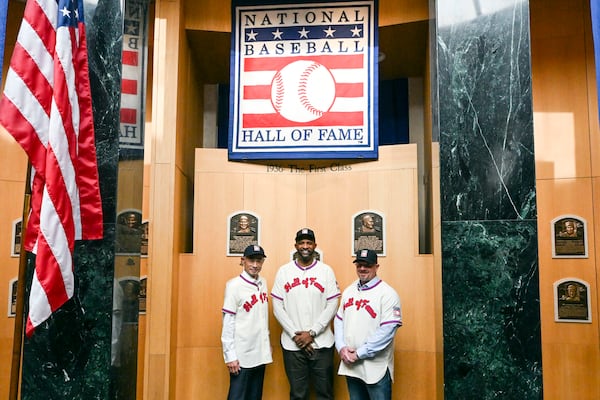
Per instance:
x=359, y=390
x=303, y=370
x=247, y=385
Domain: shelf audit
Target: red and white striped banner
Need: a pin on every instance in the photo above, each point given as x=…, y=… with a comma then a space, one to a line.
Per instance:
x=133, y=76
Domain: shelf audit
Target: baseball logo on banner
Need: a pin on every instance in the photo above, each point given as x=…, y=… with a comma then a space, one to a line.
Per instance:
x=303, y=81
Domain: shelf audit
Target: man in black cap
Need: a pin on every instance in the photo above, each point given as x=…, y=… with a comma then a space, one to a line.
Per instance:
x=305, y=297
x=245, y=334
x=365, y=326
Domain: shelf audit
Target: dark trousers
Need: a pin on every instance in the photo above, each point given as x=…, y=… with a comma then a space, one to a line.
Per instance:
x=304, y=371
x=359, y=390
x=247, y=385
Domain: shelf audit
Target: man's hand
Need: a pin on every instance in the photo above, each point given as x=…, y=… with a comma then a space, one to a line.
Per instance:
x=348, y=355
x=309, y=349
x=303, y=339
x=233, y=367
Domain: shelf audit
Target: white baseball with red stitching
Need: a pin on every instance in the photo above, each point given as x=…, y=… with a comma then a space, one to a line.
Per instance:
x=303, y=91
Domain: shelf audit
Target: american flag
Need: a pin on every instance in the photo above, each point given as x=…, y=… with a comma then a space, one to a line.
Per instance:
x=46, y=106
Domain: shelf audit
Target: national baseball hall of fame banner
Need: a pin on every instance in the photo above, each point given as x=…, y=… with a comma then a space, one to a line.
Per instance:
x=133, y=96
x=303, y=80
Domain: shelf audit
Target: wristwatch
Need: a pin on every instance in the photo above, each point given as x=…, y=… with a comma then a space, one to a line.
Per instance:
x=312, y=333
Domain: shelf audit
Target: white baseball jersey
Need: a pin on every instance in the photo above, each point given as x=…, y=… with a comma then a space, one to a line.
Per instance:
x=362, y=311
x=305, y=299
x=247, y=300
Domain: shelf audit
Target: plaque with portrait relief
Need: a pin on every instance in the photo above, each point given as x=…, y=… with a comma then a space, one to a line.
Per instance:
x=128, y=238
x=144, y=240
x=12, y=297
x=142, y=294
x=15, y=248
x=243, y=229
x=572, y=301
x=368, y=231
x=569, y=237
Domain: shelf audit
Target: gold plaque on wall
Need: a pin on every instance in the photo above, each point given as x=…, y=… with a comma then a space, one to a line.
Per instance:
x=572, y=301
x=243, y=228
x=15, y=248
x=368, y=231
x=569, y=237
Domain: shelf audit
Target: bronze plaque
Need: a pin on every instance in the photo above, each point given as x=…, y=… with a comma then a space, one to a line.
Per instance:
x=13, y=298
x=129, y=232
x=145, y=237
x=16, y=238
x=368, y=232
x=572, y=303
x=569, y=237
x=142, y=294
x=243, y=231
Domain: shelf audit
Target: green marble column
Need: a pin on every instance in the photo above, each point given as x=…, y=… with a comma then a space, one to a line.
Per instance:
x=69, y=356
x=482, y=78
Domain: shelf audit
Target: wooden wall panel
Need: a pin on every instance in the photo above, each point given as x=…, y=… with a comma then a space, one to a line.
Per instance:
x=11, y=210
x=592, y=91
x=595, y=242
x=130, y=174
x=561, y=128
x=14, y=160
x=286, y=200
x=572, y=373
x=555, y=198
x=214, y=15
x=414, y=375
x=566, y=141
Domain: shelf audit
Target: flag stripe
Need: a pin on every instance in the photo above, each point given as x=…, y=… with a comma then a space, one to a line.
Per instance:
x=41, y=80
x=24, y=132
x=38, y=301
x=87, y=178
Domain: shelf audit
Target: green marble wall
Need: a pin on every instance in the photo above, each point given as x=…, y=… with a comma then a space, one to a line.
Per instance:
x=68, y=357
x=482, y=78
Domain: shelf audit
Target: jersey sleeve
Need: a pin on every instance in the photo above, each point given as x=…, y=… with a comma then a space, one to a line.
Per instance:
x=277, y=291
x=391, y=309
x=333, y=289
x=230, y=299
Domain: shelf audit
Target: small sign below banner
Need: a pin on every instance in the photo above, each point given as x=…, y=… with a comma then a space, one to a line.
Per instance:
x=304, y=81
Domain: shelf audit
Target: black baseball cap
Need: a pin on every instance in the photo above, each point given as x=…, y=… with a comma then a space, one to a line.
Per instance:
x=368, y=256
x=254, y=250
x=305, y=233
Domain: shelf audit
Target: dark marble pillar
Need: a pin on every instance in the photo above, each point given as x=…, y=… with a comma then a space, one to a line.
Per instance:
x=484, y=119
x=68, y=357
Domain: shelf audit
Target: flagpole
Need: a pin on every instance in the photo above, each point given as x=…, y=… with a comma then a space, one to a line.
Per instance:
x=17, y=354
